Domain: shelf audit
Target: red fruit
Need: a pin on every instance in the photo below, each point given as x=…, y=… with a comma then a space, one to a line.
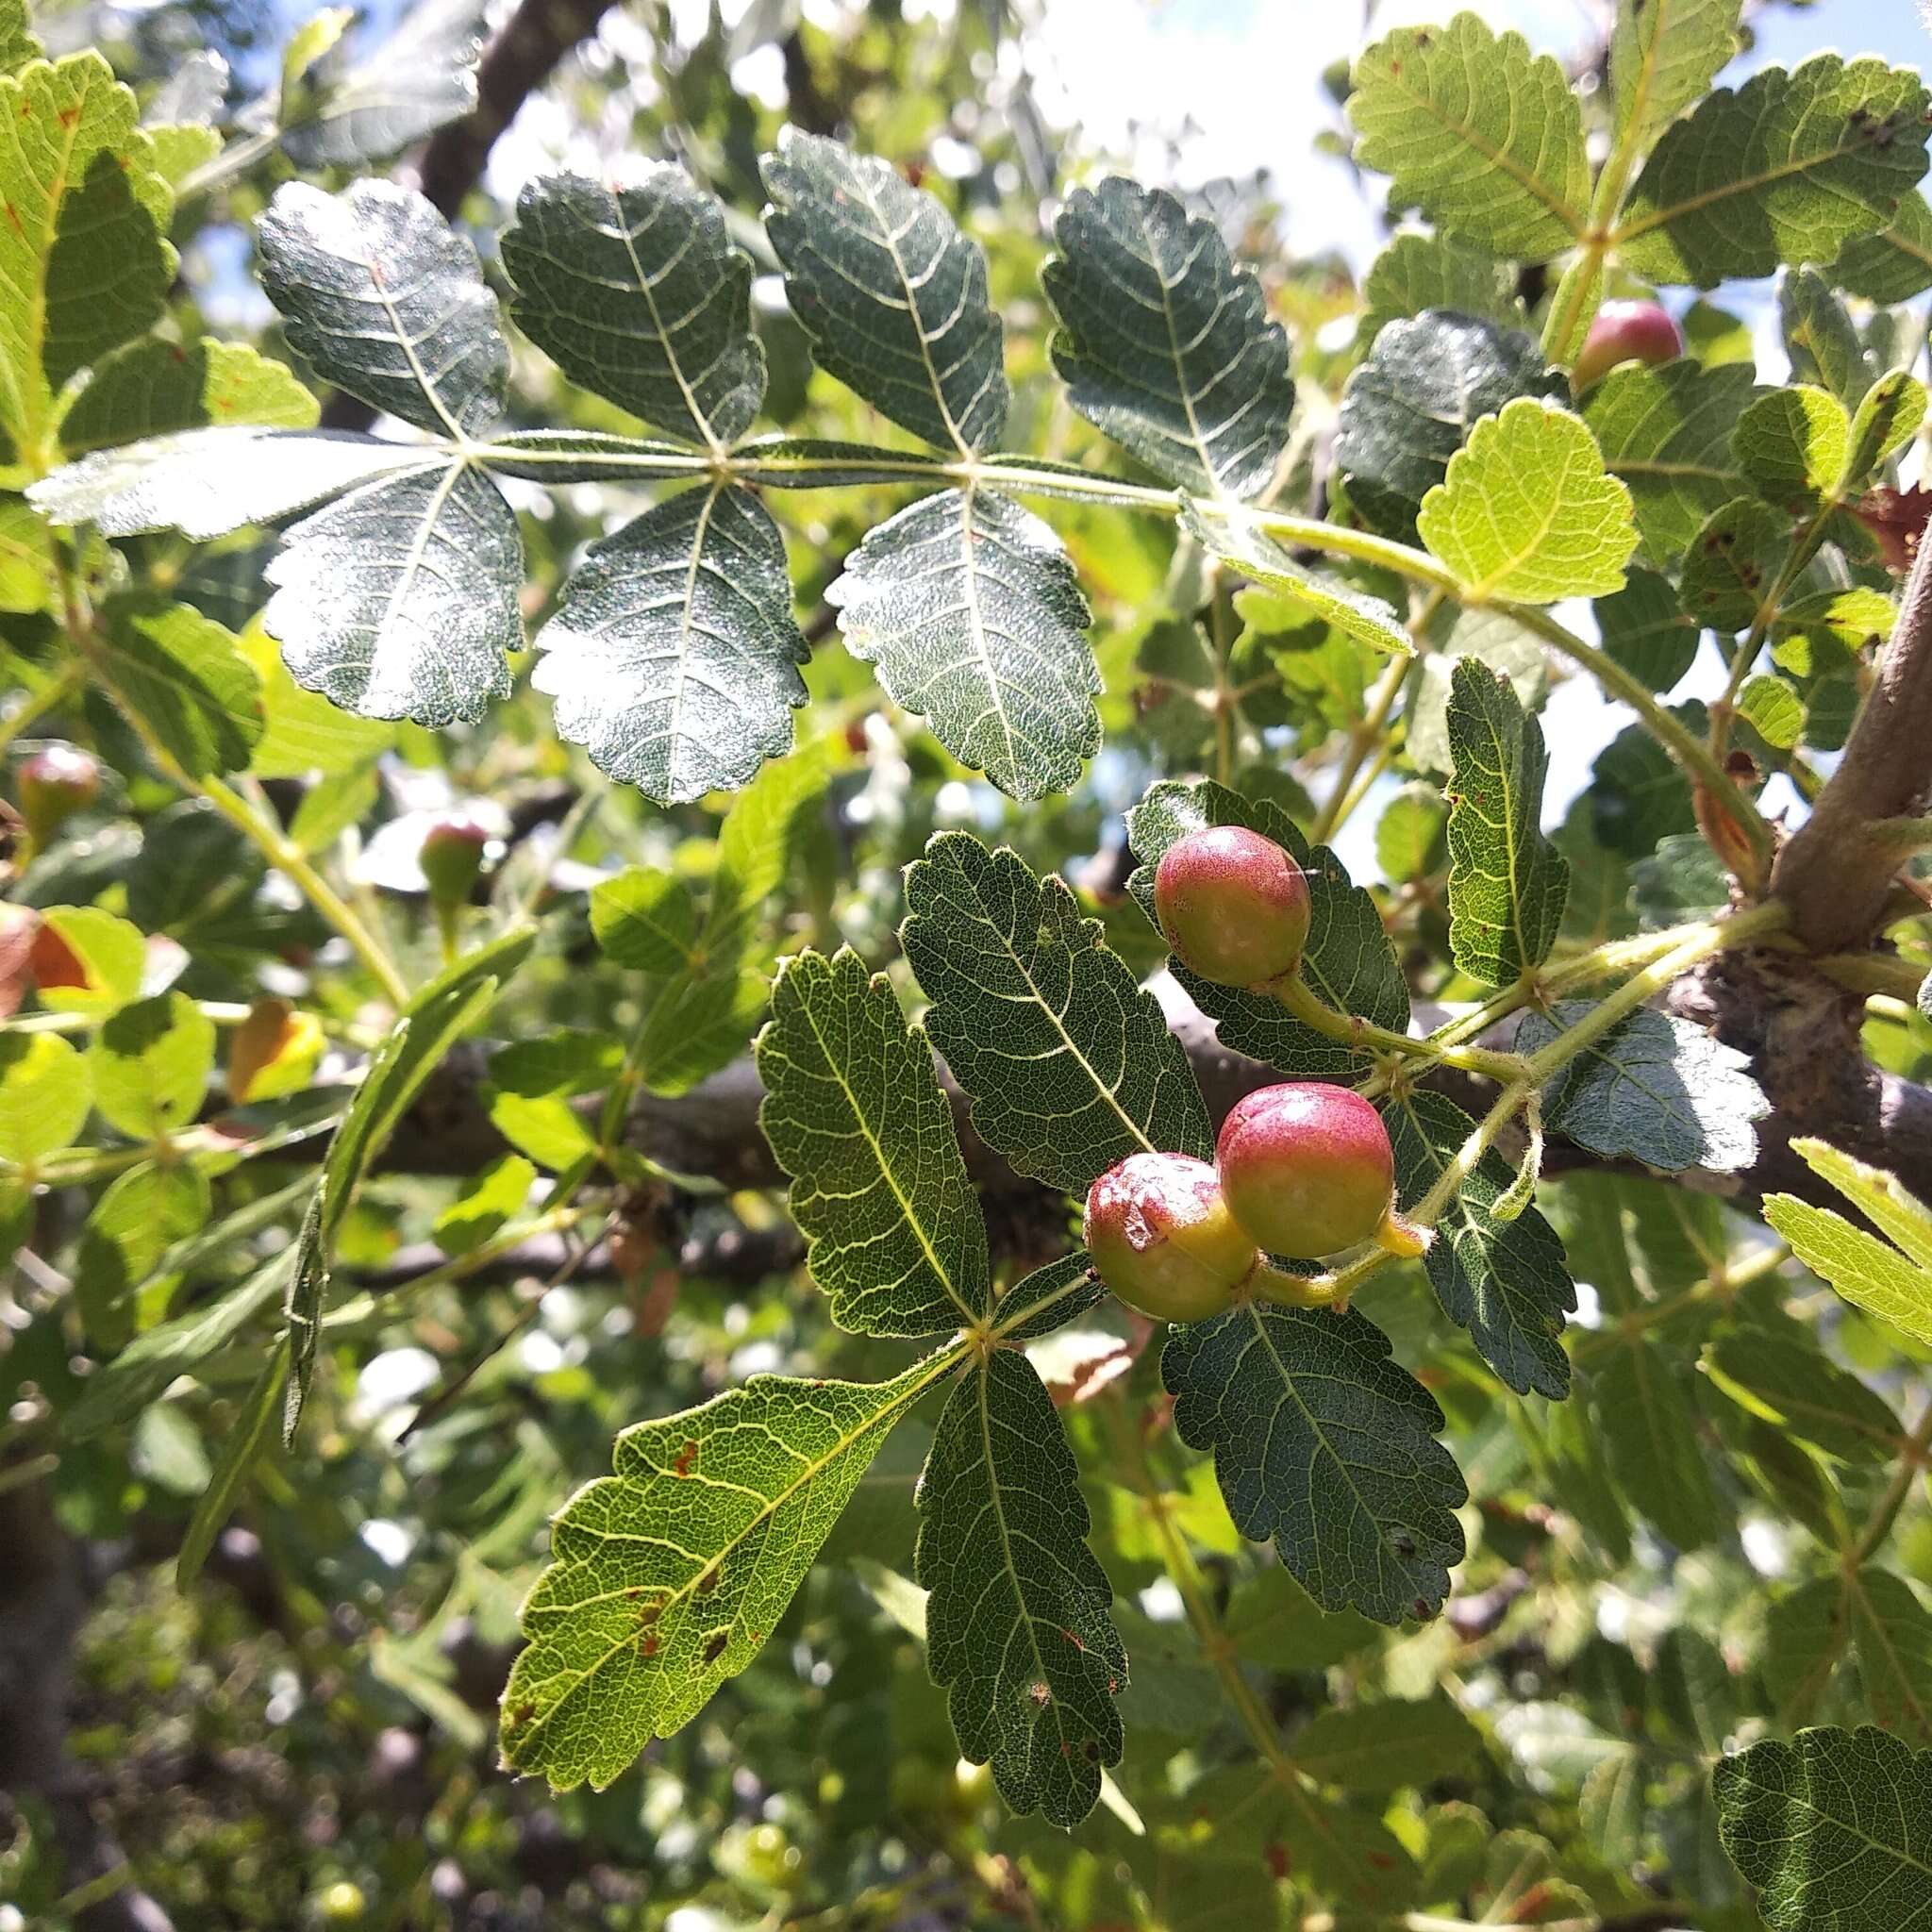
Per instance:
x=54, y=785
x=1307, y=1168
x=1233, y=905
x=1625, y=332
x=451, y=857
x=1162, y=1238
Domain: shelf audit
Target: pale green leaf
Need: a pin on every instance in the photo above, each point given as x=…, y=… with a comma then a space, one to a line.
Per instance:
x=483, y=1207
x=970, y=608
x=631, y=285
x=1506, y=881
x=1494, y=638
x=1877, y=1195
x=1507, y=1282
x=383, y=299
x=1347, y=959
x=1793, y=446
x=45, y=1093
x=1665, y=432
x=1418, y=271
x=106, y=956
x=1822, y=339
x=151, y=1061
x=644, y=919
x=1068, y=1061
x=1887, y=417
x=413, y=80
x=1409, y=835
x=1771, y=708
x=1410, y=404
x=184, y=676
x=1165, y=344
x=1017, y=1624
x=17, y=43
x=892, y=294
x=668, y=1575
x=1893, y=263
x=1480, y=134
x=1324, y=1445
x=1527, y=512
x=673, y=652
x=1655, y=1087
x=854, y=1116
x=142, y=1212
x=156, y=387
x=1863, y=1269
x=1663, y=57
x=1786, y=169
x=1834, y=1830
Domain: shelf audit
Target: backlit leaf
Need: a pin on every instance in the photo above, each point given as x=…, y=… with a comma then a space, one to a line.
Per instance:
x=44, y=1095
x=1663, y=56
x=161, y=389
x=151, y=1061
x=185, y=678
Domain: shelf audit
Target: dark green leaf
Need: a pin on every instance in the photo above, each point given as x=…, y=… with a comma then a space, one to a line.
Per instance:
x=1733, y=563
x=890, y=293
x=1791, y=1385
x=383, y=299
x=854, y=1116
x=1410, y=407
x=1639, y=797
x=673, y=652
x=1381, y=1746
x=1325, y=1445
x=1643, y=1412
x=633, y=288
x=970, y=609
x=156, y=387
x=1017, y=1621
x=1069, y=1063
x=184, y=677
x=1506, y=881
x=1822, y=339
x=1893, y=263
x=1165, y=345
x=1647, y=631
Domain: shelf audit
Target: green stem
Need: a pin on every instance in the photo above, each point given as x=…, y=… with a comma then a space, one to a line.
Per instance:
x=1368, y=731
x=1885, y=1513
x=1307, y=1006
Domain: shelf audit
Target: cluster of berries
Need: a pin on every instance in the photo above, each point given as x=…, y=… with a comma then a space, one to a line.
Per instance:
x=1302, y=1169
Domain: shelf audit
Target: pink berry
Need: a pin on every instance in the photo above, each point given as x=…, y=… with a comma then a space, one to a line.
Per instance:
x=1162, y=1238
x=1307, y=1168
x=54, y=785
x=1625, y=332
x=1233, y=905
x=452, y=856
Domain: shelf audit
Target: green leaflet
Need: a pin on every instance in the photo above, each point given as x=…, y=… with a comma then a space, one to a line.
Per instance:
x=1639, y=1403
x=667, y=1576
x=1527, y=511
x=970, y=607
x=632, y=287
x=1834, y=1828
x=45, y=1096
x=1794, y=1386
x=1663, y=56
x=1017, y=1621
x=1647, y=631
x=1410, y=404
x=183, y=676
x=436, y=1018
x=1893, y=263
x=1655, y=1088
x=1507, y=1282
x=1793, y=446
x=1665, y=433
x=1821, y=338
x=890, y=293
x=1385, y=1746
x=83, y=255
x=1324, y=1445
x=854, y=1116
x=673, y=652
x=1480, y=134
x=383, y=299
x=1788, y=168
x=151, y=1061
x=1418, y=272
x=1348, y=959
x=1165, y=345
x=1506, y=881
x=1068, y=1062
x=156, y=387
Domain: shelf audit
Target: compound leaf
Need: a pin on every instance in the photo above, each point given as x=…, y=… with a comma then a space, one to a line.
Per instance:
x=1786, y=169
x=1068, y=1061
x=1411, y=403
x=1506, y=881
x=673, y=652
x=667, y=1576
x=854, y=1116
x=1834, y=1830
x=632, y=287
x=384, y=299
x=400, y=599
x=971, y=610
x=1165, y=344
x=892, y=294
x=1527, y=511
x=1480, y=134
x=1348, y=957
x=1328, y=1447
x=1507, y=1282
x=1017, y=1624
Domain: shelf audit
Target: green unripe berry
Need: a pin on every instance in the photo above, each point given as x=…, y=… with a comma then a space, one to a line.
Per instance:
x=1233, y=905
x=1307, y=1168
x=452, y=858
x=54, y=785
x=1625, y=332
x=1162, y=1238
